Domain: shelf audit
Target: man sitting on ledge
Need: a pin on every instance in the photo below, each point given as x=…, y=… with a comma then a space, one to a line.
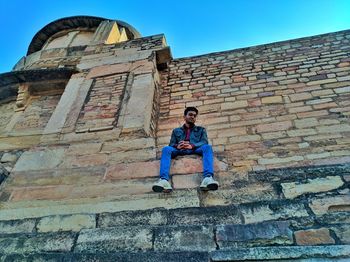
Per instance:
x=187, y=140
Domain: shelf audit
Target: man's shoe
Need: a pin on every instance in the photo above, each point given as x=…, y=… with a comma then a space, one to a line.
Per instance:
x=162, y=186
x=209, y=183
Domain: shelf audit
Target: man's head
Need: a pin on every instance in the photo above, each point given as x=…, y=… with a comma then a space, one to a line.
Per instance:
x=190, y=115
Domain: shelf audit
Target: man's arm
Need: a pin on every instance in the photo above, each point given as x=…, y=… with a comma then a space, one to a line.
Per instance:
x=173, y=140
x=203, y=140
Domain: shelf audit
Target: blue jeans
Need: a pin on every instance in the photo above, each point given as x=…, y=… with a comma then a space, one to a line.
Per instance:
x=170, y=152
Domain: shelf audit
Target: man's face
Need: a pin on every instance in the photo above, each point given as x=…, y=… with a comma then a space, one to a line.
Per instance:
x=190, y=117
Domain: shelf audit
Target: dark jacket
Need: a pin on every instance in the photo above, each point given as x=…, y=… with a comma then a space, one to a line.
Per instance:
x=198, y=136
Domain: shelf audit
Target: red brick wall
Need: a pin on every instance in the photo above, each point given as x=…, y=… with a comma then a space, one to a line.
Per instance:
x=275, y=105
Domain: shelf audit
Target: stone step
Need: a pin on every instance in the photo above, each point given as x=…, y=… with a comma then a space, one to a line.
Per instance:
x=338, y=253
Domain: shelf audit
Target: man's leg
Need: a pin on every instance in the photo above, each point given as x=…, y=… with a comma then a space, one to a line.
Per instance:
x=168, y=153
x=208, y=182
x=208, y=159
x=163, y=184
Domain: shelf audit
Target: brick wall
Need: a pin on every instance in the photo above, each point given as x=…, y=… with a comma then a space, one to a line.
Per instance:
x=275, y=105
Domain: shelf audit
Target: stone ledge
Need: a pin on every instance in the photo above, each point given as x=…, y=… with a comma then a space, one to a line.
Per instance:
x=112, y=257
x=291, y=252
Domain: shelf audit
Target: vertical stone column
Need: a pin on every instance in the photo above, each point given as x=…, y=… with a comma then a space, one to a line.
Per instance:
x=68, y=108
x=138, y=111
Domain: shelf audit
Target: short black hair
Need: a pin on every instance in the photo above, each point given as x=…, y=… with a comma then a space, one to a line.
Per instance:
x=190, y=108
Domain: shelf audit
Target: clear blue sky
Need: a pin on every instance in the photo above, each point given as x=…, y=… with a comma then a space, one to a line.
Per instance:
x=192, y=27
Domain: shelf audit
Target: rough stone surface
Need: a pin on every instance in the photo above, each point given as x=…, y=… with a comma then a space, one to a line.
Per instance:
x=17, y=226
x=185, y=238
x=293, y=190
x=343, y=233
x=133, y=218
x=62, y=242
x=112, y=257
x=330, y=204
x=313, y=237
x=104, y=240
x=204, y=216
x=38, y=160
x=259, y=213
x=8, y=157
x=66, y=223
x=269, y=233
x=267, y=253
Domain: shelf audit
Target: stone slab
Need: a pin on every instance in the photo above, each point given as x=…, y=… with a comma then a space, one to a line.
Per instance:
x=39, y=160
x=324, y=184
x=184, y=238
x=31, y=209
x=114, y=239
x=205, y=216
x=330, y=204
x=263, y=212
x=249, y=193
x=312, y=237
x=66, y=223
x=62, y=242
x=267, y=233
x=133, y=218
x=63, y=108
x=132, y=170
x=293, y=252
x=17, y=226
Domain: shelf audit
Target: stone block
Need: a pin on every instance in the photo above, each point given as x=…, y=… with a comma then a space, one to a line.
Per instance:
x=102, y=240
x=249, y=193
x=132, y=170
x=64, y=106
x=272, y=100
x=39, y=160
x=312, y=237
x=84, y=148
x=324, y=184
x=130, y=144
x=343, y=233
x=76, y=176
x=184, y=238
x=268, y=233
x=330, y=204
x=132, y=156
x=277, y=126
x=186, y=181
x=193, y=164
x=137, y=115
x=60, y=242
x=306, y=122
x=279, y=160
x=66, y=223
x=289, y=253
x=260, y=213
x=234, y=105
x=9, y=158
x=205, y=216
x=133, y=218
x=73, y=161
x=17, y=226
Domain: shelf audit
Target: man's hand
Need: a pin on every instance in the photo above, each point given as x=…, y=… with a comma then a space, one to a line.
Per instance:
x=184, y=145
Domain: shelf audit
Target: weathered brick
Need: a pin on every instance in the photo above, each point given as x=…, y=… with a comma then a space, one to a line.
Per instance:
x=277, y=126
x=293, y=189
x=234, y=105
x=272, y=100
x=313, y=237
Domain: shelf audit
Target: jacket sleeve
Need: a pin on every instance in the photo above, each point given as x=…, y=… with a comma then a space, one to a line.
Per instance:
x=173, y=140
x=203, y=139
